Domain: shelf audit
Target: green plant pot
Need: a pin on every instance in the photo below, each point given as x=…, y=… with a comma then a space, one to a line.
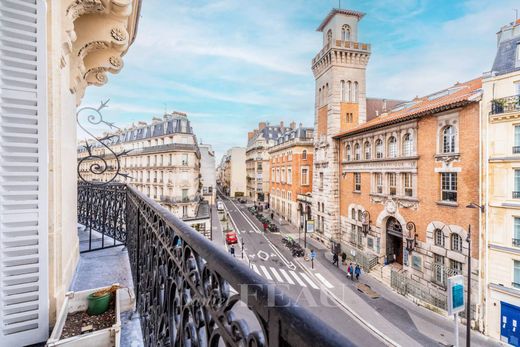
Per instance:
x=98, y=304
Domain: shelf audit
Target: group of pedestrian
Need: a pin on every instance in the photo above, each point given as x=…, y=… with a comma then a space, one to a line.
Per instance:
x=353, y=270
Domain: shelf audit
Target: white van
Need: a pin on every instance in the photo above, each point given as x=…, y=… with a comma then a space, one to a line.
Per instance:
x=220, y=206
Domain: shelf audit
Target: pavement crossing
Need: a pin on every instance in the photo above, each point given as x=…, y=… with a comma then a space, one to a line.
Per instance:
x=291, y=277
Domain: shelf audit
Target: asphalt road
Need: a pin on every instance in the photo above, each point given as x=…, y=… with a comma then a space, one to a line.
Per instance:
x=266, y=255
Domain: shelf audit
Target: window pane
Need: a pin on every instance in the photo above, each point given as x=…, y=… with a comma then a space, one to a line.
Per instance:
x=517, y=228
x=516, y=272
x=517, y=180
x=517, y=135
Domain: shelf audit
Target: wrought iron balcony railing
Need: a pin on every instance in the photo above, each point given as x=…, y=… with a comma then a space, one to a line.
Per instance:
x=516, y=242
x=516, y=194
x=505, y=105
x=187, y=288
x=516, y=149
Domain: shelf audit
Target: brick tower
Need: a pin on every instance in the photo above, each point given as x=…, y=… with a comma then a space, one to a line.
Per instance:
x=340, y=103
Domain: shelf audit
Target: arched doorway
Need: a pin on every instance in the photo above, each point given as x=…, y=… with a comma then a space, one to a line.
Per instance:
x=394, y=241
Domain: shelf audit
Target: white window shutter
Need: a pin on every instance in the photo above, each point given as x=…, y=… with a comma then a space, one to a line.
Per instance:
x=24, y=312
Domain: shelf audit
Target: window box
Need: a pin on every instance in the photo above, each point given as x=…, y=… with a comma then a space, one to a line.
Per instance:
x=76, y=302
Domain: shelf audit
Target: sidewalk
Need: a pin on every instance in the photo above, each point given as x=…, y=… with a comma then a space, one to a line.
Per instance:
x=392, y=314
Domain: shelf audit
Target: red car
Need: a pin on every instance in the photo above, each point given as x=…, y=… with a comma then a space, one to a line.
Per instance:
x=231, y=238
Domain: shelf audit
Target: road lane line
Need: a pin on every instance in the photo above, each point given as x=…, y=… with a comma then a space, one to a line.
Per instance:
x=324, y=280
x=255, y=268
x=278, y=277
x=305, y=277
x=300, y=282
x=287, y=277
x=267, y=274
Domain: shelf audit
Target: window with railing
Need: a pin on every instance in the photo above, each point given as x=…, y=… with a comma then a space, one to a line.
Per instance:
x=516, y=273
x=448, y=139
x=379, y=183
x=516, y=191
x=505, y=105
x=516, y=147
x=516, y=232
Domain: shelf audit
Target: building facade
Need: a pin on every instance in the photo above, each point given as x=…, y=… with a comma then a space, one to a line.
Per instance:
x=51, y=52
x=501, y=187
x=208, y=173
x=406, y=179
x=257, y=159
x=291, y=166
x=232, y=172
x=163, y=162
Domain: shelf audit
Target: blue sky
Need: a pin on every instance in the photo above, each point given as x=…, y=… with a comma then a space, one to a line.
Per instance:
x=232, y=63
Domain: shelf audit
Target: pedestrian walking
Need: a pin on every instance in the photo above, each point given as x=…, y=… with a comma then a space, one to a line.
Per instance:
x=272, y=216
x=232, y=250
x=351, y=271
x=349, y=268
x=335, y=259
x=357, y=271
x=265, y=227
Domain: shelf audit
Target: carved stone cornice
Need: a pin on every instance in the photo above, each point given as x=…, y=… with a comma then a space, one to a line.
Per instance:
x=96, y=34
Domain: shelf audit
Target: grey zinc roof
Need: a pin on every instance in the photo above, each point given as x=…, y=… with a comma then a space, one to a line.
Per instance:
x=300, y=133
x=506, y=60
x=269, y=133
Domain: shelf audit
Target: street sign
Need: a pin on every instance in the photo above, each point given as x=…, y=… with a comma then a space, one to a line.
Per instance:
x=310, y=226
x=313, y=254
x=455, y=294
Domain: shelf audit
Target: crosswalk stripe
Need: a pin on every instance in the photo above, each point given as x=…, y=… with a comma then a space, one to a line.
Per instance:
x=255, y=268
x=267, y=274
x=275, y=273
x=300, y=282
x=305, y=277
x=258, y=231
x=324, y=280
x=287, y=277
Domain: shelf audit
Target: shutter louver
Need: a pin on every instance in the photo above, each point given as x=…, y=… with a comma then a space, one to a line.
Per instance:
x=23, y=174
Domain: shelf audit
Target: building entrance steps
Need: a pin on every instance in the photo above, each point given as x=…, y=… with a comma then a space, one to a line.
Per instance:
x=401, y=320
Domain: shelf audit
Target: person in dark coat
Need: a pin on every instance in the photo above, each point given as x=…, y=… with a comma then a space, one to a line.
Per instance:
x=351, y=271
x=232, y=250
x=335, y=259
x=272, y=216
x=357, y=271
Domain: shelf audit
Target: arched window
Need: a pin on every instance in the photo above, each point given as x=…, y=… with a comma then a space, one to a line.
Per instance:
x=448, y=139
x=456, y=243
x=329, y=37
x=379, y=149
x=319, y=97
x=304, y=155
x=368, y=151
x=392, y=147
x=438, y=237
x=407, y=145
x=357, y=152
x=347, y=152
x=359, y=215
x=342, y=90
x=345, y=33
x=349, y=91
x=353, y=212
x=355, y=93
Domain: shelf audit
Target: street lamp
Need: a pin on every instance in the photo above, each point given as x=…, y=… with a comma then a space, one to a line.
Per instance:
x=468, y=303
x=411, y=240
x=365, y=221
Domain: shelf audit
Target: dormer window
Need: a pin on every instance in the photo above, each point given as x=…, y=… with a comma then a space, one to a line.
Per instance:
x=345, y=33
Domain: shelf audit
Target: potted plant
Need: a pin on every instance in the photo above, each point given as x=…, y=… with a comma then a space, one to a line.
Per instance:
x=92, y=317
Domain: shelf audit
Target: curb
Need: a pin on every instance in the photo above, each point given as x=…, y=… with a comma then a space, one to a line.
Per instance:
x=362, y=321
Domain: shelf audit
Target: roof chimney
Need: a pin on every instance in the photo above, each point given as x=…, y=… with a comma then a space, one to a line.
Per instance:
x=261, y=125
x=250, y=135
x=384, y=106
x=293, y=125
x=281, y=124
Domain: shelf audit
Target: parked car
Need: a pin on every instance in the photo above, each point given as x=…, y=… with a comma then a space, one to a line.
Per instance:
x=273, y=228
x=242, y=200
x=231, y=238
x=220, y=206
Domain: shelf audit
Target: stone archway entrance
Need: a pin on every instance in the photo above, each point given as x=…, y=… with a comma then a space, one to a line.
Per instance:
x=394, y=241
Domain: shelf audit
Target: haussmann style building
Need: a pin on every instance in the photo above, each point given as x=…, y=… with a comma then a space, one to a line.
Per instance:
x=163, y=161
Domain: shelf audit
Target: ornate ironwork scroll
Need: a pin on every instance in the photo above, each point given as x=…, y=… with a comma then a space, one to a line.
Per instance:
x=96, y=163
x=188, y=289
